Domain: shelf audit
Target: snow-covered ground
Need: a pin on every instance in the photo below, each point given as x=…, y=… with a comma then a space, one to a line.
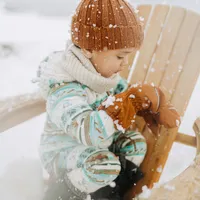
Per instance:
x=31, y=37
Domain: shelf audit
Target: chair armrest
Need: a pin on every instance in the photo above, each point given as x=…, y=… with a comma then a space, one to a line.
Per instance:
x=16, y=110
x=188, y=139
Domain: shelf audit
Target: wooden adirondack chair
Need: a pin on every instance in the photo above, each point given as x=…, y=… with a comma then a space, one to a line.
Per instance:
x=168, y=58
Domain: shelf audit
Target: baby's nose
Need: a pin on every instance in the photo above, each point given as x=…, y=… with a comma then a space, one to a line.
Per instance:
x=125, y=62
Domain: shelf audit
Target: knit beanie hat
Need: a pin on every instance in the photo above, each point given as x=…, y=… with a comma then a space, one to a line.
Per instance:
x=110, y=24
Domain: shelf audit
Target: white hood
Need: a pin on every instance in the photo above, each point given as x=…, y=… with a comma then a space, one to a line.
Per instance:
x=71, y=65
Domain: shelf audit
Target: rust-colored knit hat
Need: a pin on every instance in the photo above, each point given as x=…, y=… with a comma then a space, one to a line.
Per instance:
x=106, y=23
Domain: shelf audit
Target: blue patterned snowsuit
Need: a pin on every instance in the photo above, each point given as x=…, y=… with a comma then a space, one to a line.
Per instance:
x=76, y=135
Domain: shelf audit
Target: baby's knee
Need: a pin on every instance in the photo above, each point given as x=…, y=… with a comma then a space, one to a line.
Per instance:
x=131, y=142
x=135, y=144
x=134, y=147
x=102, y=167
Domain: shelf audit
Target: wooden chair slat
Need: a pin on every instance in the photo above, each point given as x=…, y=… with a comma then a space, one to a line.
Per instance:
x=179, y=54
x=144, y=12
x=165, y=45
x=154, y=163
x=188, y=77
x=152, y=35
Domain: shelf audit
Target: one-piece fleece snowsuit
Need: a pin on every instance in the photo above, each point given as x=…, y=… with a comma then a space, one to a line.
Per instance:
x=76, y=135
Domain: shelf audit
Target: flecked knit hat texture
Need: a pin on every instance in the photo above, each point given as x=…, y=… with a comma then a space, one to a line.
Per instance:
x=110, y=24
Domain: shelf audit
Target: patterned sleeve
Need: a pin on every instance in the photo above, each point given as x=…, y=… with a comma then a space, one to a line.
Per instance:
x=69, y=110
x=121, y=86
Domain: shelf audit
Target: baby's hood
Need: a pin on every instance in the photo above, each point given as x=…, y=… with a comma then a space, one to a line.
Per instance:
x=71, y=65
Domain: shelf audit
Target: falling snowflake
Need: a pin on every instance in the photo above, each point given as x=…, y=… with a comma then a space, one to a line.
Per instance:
x=134, y=170
x=145, y=105
x=121, y=7
x=135, y=85
x=180, y=68
x=177, y=122
x=94, y=25
x=76, y=29
x=112, y=184
x=132, y=96
x=119, y=100
x=110, y=26
x=141, y=19
x=153, y=70
x=87, y=35
x=136, y=11
x=152, y=84
x=159, y=169
x=169, y=187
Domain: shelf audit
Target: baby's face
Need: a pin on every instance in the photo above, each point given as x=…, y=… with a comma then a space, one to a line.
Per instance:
x=109, y=62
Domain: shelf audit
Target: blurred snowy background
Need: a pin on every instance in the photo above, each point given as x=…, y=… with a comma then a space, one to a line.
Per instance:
x=30, y=30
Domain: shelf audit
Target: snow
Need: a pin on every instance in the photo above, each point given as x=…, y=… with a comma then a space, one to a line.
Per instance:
x=112, y=184
x=109, y=101
x=32, y=37
x=141, y=19
x=132, y=96
x=17, y=178
x=146, y=192
x=110, y=26
x=169, y=187
x=119, y=127
x=119, y=100
x=159, y=169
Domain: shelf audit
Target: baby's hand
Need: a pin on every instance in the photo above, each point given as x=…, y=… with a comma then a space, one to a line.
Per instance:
x=141, y=100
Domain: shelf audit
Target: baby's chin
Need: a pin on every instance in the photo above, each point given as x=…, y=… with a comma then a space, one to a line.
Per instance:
x=113, y=75
x=110, y=75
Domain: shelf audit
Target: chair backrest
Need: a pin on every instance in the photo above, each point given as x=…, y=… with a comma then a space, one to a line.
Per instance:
x=169, y=58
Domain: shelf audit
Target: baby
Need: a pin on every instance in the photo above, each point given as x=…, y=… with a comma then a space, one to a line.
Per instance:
x=87, y=142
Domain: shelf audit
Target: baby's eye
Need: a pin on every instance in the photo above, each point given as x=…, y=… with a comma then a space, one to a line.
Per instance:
x=120, y=57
